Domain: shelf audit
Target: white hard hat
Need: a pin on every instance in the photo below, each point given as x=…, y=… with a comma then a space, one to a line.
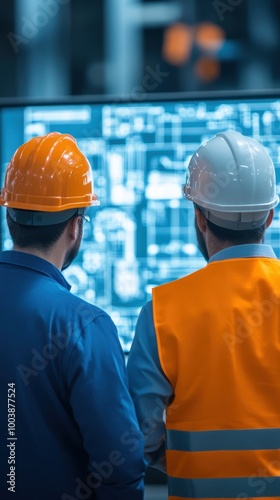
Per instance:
x=232, y=179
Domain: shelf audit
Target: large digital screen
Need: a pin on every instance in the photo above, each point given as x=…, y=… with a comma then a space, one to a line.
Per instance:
x=142, y=235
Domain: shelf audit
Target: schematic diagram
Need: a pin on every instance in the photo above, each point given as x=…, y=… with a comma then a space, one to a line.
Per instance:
x=143, y=235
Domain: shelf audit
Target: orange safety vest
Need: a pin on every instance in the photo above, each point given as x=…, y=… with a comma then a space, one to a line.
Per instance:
x=218, y=336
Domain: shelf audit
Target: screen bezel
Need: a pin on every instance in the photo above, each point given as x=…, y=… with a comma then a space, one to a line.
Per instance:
x=147, y=98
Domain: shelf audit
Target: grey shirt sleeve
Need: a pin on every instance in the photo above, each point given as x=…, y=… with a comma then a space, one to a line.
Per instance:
x=149, y=387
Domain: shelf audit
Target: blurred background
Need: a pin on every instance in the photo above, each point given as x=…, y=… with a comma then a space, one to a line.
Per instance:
x=132, y=48
x=52, y=48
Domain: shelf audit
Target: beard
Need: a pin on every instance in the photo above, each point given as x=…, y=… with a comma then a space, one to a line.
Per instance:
x=73, y=252
x=201, y=242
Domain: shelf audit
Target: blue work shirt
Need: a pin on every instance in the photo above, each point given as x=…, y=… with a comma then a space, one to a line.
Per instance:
x=75, y=434
x=150, y=389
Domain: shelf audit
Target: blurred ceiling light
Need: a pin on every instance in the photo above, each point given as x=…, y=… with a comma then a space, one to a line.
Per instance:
x=177, y=44
x=207, y=69
x=209, y=36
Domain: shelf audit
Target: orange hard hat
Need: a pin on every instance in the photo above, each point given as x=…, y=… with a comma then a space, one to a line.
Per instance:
x=48, y=174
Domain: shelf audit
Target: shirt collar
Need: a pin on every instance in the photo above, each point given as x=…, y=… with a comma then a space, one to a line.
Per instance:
x=243, y=251
x=30, y=261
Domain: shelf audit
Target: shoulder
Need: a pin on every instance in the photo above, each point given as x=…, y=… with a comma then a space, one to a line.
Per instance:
x=78, y=319
x=185, y=281
x=67, y=300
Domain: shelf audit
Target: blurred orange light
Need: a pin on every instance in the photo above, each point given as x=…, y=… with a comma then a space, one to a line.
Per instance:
x=209, y=36
x=207, y=69
x=177, y=44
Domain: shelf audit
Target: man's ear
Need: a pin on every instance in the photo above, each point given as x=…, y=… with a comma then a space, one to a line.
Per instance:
x=201, y=220
x=269, y=218
x=73, y=228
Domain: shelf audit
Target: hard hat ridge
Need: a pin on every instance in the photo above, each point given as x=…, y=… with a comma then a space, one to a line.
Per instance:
x=49, y=174
x=232, y=178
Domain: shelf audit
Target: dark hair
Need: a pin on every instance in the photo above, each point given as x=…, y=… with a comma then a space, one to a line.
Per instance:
x=41, y=237
x=237, y=237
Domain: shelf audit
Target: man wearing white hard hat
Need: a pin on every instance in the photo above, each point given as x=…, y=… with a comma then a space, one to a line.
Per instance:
x=204, y=365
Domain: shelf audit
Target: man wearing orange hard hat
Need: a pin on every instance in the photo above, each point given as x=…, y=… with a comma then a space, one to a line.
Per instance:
x=69, y=427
